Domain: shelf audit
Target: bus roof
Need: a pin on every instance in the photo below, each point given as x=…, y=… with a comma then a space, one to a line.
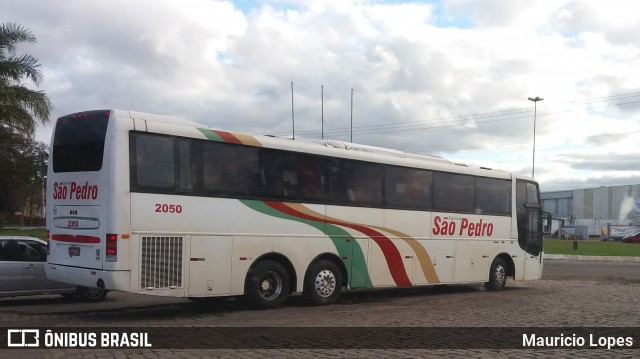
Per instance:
x=160, y=118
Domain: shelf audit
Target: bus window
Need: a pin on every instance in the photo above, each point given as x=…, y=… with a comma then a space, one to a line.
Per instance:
x=185, y=167
x=279, y=174
x=154, y=161
x=355, y=183
x=337, y=186
x=493, y=196
x=78, y=143
x=311, y=177
x=229, y=170
x=364, y=182
x=453, y=192
x=288, y=175
x=408, y=188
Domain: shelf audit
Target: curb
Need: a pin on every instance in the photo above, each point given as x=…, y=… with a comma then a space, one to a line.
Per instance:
x=591, y=258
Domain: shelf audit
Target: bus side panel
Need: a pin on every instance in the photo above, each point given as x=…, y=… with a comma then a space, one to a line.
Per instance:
x=301, y=251
x=388, y=239
x=210, y=265
x=246, y=249
x=295, y=231
x=532, y=266
x=441, y=252
x=255, y=228
x=357, y=232
x=479, y=240
x=519, y=263
x=118, y=202
x=432, y=259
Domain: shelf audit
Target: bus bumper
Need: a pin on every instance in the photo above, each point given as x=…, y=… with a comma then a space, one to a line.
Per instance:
x=86, y=277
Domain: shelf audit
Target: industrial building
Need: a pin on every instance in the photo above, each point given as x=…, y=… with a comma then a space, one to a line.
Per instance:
x=595, y=208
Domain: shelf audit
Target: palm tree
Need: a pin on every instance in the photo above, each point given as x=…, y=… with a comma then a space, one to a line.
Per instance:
x=19, y=105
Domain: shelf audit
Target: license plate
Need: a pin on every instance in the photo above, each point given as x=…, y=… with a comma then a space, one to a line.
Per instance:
x=74, y=251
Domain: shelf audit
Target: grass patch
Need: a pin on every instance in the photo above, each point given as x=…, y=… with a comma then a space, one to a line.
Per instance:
x=592, y=248
x=36, y=232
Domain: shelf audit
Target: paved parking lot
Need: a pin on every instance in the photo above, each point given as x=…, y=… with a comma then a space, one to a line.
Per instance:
x=577, y=298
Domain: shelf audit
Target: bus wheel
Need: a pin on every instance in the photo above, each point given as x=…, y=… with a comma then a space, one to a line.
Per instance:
x=87, y=294
x=267, y=285
x=323, y=283
x=497, y=275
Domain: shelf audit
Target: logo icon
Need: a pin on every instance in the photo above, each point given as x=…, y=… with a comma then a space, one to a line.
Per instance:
x=22, y=338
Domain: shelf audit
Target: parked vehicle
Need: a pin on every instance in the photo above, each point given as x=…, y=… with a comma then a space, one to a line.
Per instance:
x=634, y=238
x=22, y=261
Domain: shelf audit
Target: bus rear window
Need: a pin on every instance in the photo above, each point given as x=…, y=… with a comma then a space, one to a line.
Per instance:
x=78, y=142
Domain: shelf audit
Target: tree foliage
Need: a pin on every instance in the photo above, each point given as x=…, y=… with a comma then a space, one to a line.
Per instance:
x=23, y=164
x=20, y=106
x=23, y=161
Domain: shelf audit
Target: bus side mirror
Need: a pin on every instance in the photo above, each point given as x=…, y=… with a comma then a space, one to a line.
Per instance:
x=546, y=222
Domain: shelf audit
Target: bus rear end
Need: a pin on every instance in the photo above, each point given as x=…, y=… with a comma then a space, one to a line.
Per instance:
x=82, y=249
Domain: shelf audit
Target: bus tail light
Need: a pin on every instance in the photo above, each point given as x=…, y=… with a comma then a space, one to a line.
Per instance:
x=112, y=248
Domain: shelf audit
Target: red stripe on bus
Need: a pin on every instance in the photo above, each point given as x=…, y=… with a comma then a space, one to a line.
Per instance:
x=75, y=239
x=227, y=137
x=391, y=253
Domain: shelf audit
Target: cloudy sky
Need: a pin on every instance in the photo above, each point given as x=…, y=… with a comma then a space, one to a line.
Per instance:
x=448, y=78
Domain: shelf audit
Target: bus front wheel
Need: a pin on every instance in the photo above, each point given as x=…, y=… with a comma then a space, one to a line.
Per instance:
x=323, y=283
x=267, y=285
x=497, y=275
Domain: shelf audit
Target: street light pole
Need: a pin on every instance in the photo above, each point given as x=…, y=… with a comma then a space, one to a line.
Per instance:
x=535, y=108
x=351, y=138
x=322, y=109
x=293, y=120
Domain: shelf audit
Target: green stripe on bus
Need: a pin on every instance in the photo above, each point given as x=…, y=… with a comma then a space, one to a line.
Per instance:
x=356, y=267
x=210, y=134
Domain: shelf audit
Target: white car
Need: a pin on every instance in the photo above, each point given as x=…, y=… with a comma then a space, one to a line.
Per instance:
x=22, y=272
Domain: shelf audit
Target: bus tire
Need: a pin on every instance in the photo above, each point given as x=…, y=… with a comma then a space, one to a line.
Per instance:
x=267, y=285
x=92, y=295
x=323, y=283
x=497, y=275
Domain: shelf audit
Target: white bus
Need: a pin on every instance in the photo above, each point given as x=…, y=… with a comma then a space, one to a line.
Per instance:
x=161, y=206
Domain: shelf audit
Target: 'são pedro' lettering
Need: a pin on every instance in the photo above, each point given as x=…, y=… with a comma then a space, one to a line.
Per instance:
x=73, y=190
x=449, y=226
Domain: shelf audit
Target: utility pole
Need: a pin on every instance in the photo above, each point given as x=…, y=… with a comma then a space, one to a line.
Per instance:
x=293, y=120
x=351, y=139
x=535, y=108
x=322, y=108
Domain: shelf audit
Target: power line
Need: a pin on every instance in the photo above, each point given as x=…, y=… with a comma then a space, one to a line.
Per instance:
x=494, y=116
x=390, y=128
x=545, y=140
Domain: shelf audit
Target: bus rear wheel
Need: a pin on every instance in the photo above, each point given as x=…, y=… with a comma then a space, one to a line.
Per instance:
x=92, y=295
x=497, y=275
x=323, y=283
x=267, y=285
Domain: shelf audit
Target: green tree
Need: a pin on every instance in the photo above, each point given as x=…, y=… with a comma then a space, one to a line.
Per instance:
x=22, y=160
x=20, y=106
x=23, y=165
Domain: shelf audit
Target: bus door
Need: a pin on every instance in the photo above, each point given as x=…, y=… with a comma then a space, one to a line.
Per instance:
x=529, y=216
